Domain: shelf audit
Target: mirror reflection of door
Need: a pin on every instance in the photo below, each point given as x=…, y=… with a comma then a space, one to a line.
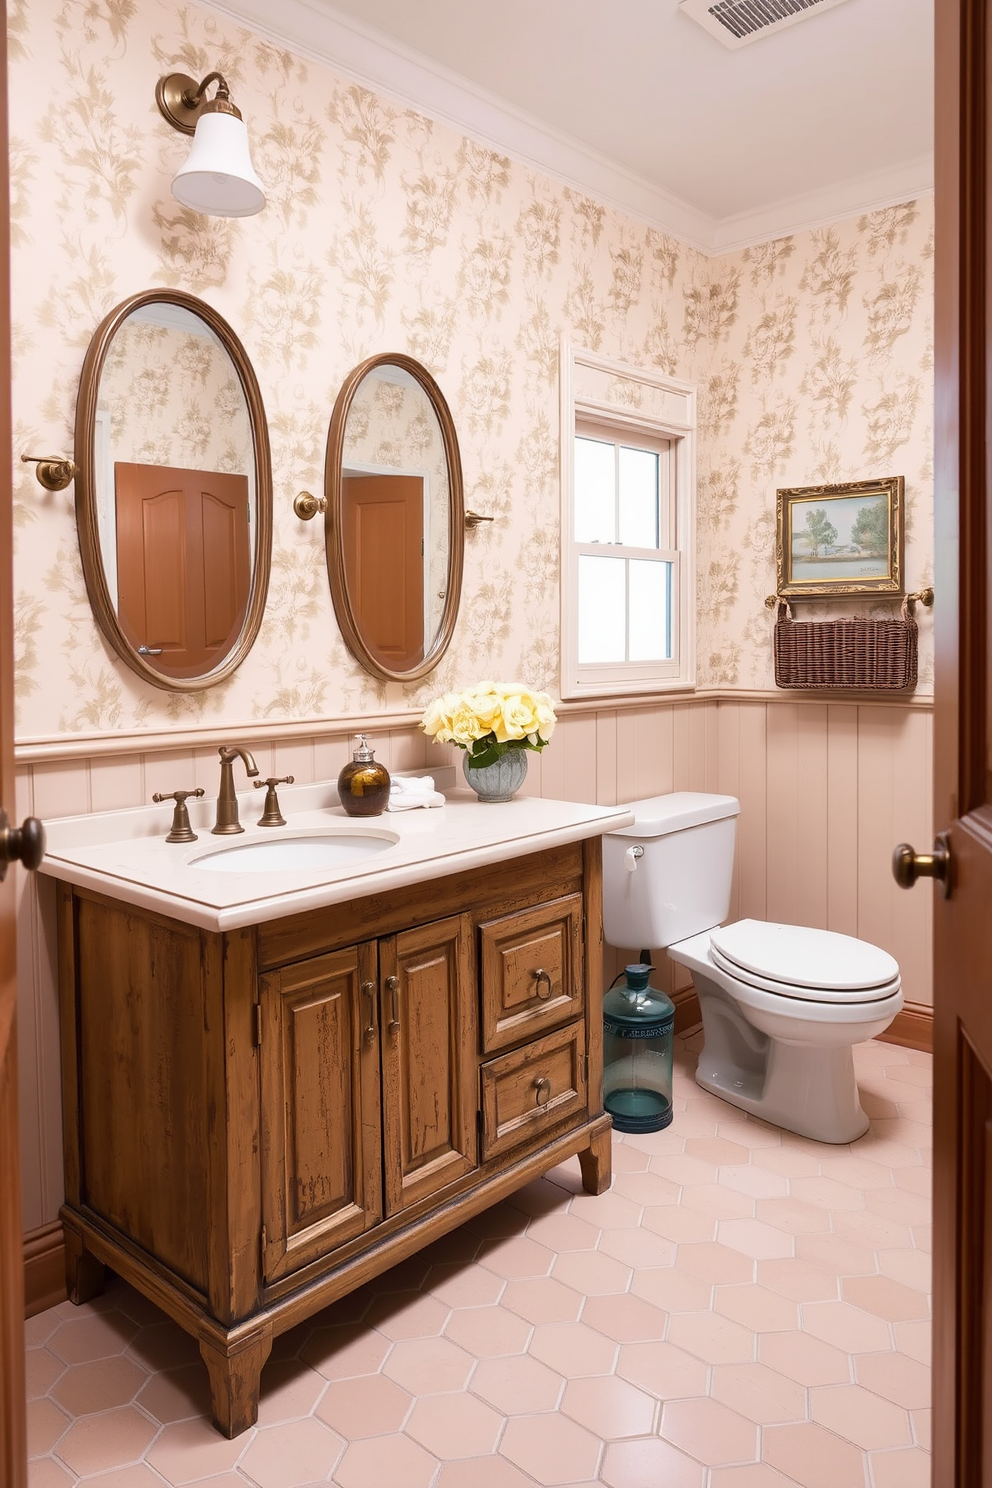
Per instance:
x=183, y=563
x=384, y=541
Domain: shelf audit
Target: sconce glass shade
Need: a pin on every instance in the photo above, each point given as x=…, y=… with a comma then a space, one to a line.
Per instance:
x=218, y=177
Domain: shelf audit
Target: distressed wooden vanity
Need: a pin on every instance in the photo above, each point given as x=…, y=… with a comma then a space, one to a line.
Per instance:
x=269, y=1101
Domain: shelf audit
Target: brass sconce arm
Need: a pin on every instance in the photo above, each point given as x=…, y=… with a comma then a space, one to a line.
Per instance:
x=474, y=519
x=181, y=99
x=54, y=472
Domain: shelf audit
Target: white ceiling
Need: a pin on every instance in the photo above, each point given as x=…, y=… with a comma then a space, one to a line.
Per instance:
x=634, y=102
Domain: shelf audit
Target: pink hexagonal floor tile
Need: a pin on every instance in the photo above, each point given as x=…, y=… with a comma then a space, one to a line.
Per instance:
x=591, y=1272
x=428, y=1366
x=488, y=1331
x=760, y=1394
x=663, y=1370
x=459, y=1426
x=612, y=1408
x=284, y=1456
x=649, y=1463
x=370, y=1405
x=813, y=1456
x=386, y=1459
x=625, y=1318
x=709, y=1431
x=516, y=1256
x=517, y=1387
x=573, y=1349
x=553, y=1449
x=861, y=1417
x=542, y=1299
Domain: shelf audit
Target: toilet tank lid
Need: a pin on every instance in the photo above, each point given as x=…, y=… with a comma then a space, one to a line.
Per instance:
x=657, y=815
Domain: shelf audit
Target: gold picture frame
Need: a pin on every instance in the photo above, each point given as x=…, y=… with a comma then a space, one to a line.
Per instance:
x=841, y=541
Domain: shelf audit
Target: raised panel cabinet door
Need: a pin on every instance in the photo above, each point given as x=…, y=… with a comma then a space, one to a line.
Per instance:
x=532, y=971
x=321, y=1158
x=428, y=1013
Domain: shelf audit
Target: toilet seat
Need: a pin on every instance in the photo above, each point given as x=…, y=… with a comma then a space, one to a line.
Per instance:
x=794, y=961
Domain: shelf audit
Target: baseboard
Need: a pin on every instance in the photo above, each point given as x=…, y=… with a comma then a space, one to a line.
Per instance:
x=912, y=1028
x=687, y=1013
x=44, y=1268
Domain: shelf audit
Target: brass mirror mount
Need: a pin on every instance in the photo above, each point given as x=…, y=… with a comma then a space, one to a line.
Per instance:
x=181, y=99
x=54, y=472
x=306, y=506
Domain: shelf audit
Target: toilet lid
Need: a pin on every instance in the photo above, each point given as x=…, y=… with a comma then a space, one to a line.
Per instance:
x=808, y=960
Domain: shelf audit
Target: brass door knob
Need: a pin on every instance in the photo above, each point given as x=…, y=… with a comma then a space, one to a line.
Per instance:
x=24, y=844
x=908, y=865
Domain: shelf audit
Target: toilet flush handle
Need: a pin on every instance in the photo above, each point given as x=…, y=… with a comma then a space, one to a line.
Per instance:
x=631, y=856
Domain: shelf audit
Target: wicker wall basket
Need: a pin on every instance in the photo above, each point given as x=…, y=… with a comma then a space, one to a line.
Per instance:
x=867, y=655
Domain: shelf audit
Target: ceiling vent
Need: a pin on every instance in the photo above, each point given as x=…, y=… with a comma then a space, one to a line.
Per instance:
x=738, y=22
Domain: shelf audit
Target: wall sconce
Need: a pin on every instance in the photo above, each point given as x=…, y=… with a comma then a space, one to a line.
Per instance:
x=218, y=177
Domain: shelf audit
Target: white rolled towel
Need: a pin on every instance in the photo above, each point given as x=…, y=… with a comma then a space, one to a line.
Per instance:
x=409, y=791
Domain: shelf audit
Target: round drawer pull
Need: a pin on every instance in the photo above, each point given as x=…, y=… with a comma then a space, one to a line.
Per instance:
x=542, y=1089
x=543, y=980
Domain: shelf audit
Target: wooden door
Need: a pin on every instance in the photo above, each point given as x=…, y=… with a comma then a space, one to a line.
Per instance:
x=429, y=1059
x=321, y=1155
x=13, y=1448
x=183, y=563
x=383, y=526
x=962, y=1364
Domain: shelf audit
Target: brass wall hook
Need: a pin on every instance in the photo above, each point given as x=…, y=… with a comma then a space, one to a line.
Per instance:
x=306, y=506
x=54, y=472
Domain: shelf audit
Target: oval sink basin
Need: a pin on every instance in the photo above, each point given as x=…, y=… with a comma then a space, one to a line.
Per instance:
x=294, y=854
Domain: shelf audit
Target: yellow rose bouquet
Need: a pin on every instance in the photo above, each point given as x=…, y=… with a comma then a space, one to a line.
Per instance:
x=490, y=719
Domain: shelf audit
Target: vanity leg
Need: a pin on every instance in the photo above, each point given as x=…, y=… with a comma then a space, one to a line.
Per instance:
x=234, y=1379
x=85, y=1276
x=596, y=1162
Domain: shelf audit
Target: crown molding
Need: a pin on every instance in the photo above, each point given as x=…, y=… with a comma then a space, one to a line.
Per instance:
x=314, y=31
x=900, y=183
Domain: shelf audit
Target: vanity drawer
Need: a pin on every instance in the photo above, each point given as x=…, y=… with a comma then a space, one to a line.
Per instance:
x=531, y=1089
x=531, y=971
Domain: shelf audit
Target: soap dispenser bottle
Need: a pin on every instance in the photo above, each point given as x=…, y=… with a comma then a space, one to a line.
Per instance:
x=363, y=786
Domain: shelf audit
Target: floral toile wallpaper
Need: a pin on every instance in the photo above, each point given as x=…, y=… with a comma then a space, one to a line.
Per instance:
x=820, y=371
x=387, y=232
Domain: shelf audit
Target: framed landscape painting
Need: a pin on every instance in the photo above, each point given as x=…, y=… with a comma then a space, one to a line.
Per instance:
x=837, y=541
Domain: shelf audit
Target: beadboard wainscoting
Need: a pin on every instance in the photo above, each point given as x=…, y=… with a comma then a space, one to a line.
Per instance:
x=826, y=790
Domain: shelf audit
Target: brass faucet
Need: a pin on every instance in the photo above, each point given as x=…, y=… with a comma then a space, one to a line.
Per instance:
x=227, y=802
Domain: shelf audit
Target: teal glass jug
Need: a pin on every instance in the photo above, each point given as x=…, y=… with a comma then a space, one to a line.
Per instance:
x=638, y=1029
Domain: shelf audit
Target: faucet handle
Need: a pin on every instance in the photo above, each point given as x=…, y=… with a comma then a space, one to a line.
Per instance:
x=181, y=829
x=271, y=815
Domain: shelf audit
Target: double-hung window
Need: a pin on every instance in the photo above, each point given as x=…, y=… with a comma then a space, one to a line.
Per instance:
x=627, y=578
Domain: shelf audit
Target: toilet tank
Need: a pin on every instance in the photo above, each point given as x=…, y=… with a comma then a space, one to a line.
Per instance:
x=678, y=884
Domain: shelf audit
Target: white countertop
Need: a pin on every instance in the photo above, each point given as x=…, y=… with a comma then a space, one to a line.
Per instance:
x=124, y=854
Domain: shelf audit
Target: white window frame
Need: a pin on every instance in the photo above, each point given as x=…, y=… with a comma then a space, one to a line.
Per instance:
x=673, y=417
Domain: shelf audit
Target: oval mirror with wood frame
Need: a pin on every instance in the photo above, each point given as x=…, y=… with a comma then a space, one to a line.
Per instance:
x=394, y=520
x=174, y=490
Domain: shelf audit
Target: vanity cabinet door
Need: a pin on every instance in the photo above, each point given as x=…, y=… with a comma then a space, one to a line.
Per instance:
x=321, y=1157
x=532, y=972
x=428, y=1017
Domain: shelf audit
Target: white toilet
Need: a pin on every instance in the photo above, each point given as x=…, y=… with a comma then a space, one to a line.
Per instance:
x=782, y=1005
